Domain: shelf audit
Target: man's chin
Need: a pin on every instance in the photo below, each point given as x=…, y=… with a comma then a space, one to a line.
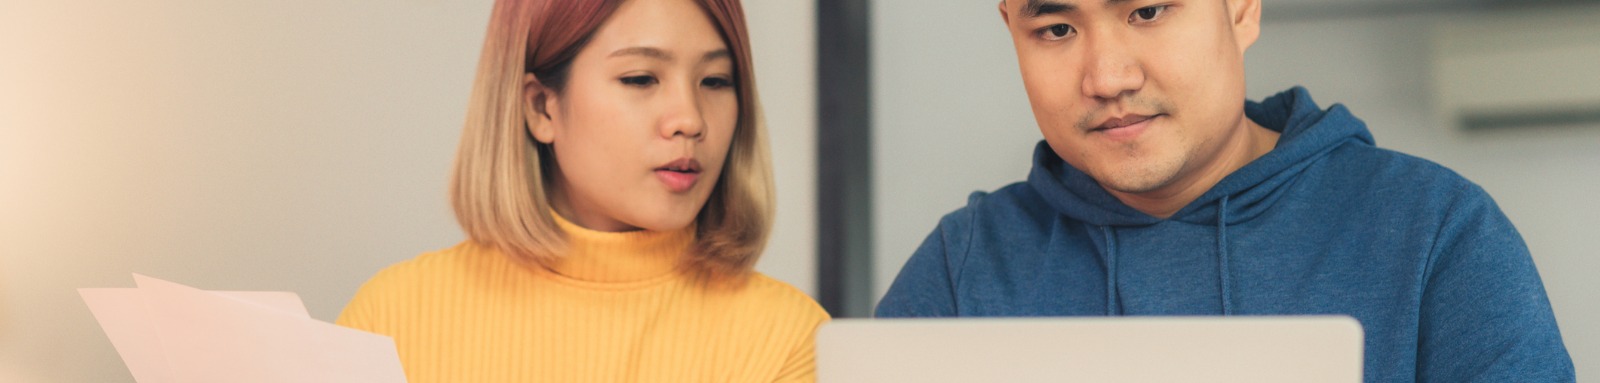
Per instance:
x=1136, y=183
x=1139, y=189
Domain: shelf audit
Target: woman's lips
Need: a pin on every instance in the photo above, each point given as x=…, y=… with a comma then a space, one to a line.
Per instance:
x=679, y=175
x=677, y=181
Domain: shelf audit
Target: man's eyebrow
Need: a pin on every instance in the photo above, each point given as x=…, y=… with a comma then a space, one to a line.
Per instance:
x=1038, y=8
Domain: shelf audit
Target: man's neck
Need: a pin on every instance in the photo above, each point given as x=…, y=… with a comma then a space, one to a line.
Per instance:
x=1248, y=144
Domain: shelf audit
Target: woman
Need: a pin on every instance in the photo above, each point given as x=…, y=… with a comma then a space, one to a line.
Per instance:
x=614, y=181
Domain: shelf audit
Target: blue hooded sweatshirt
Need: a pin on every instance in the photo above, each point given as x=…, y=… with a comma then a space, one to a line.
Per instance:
x=1325, y=223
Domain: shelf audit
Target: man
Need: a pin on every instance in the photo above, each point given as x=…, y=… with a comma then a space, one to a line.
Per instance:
x=1155, y=193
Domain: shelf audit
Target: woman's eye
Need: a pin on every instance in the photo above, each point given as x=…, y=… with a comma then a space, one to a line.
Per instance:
x=716, y=82
x=1057, y=32
x=1147, y=14
x=639, y=81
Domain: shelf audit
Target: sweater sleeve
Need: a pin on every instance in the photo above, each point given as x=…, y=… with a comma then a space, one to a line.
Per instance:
x=358, y=313
x=1485, y=316
x=801, y=366
x=926, y=285
x=371, y=308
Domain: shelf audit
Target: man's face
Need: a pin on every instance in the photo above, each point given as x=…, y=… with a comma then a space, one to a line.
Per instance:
x=1139, y=94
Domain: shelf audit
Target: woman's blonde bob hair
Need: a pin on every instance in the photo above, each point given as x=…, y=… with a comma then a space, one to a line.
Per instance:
x=498, y=188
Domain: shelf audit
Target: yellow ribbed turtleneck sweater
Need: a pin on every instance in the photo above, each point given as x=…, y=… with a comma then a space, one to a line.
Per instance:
x=617, y=308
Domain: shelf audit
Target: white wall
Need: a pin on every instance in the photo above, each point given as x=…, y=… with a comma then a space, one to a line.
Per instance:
x=295, y=145
x=952, y=117
x=783, y=36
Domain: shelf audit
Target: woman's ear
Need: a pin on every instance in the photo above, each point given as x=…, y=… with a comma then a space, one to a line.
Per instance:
x=537, y=103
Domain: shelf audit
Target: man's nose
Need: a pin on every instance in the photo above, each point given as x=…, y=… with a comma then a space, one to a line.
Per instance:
x=1111, y=70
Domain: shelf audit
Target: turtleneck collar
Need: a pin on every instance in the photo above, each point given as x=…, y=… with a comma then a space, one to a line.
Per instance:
x=620, y=257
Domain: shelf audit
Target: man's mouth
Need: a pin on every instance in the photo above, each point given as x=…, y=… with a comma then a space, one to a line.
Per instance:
x=1120, y=122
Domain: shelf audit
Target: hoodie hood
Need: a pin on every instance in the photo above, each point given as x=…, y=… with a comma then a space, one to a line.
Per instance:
x=1308, y=133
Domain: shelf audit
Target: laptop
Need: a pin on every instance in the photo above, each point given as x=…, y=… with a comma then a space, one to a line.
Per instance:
x=1127, y=349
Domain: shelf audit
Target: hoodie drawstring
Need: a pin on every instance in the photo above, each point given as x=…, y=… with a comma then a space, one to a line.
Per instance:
x=1222, y=256
x=1223, y=282
x=1111, y=271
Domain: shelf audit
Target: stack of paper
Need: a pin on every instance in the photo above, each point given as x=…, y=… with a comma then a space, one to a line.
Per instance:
x=171, y=333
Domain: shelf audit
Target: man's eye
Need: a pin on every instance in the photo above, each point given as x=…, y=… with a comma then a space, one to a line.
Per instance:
x=1147, y=14
x=640, y=81
x=1057, y=32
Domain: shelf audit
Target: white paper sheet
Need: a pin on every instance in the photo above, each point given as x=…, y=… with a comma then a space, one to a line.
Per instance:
x=171, y=333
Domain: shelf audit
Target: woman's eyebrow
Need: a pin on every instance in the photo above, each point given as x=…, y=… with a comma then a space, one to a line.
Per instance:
x=716, y=54
x=651, y=52
x=663, y=55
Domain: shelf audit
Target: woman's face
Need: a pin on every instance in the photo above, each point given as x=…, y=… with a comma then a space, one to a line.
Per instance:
x=643, y=126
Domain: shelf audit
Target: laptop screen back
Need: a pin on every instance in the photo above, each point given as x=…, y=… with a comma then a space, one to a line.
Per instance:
x=1127, y=349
